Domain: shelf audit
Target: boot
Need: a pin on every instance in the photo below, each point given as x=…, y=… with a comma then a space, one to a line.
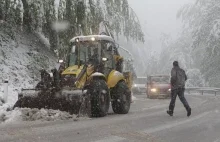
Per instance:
x=170, y=112
x=188, y=112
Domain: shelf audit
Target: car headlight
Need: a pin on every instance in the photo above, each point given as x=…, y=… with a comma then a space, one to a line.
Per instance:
x=104, y=59
x=169, y=90
x=93, y=39
x=153, y=90
x=60, y=61
x=135, y=85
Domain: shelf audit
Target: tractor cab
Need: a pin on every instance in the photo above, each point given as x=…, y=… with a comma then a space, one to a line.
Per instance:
x=98, y=50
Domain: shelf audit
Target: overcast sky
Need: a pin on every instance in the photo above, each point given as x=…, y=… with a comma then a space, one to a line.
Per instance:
x=157, y=16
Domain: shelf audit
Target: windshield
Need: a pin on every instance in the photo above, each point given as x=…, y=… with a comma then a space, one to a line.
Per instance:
x=160, y=79
x=84, y=51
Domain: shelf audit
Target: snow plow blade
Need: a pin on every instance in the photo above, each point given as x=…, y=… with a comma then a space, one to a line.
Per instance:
x=72, y=101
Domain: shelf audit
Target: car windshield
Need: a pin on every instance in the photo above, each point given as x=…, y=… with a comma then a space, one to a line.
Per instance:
x=160, y=79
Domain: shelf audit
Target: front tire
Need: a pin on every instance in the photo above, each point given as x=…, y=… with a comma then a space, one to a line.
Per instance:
x=100, y=99
x=121, y=96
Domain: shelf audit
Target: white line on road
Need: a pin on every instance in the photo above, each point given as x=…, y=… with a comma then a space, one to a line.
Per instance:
x=111, y=139
x=174, y=124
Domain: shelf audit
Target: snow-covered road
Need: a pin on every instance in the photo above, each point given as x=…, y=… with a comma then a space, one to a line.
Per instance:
x=147, y=121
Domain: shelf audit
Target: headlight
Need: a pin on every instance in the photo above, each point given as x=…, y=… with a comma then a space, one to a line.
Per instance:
x=135, y=85
x=60, y=61
x=153, y=90
x=93, y=39
x=104, y=59
x=169, y=90
x=77, y=40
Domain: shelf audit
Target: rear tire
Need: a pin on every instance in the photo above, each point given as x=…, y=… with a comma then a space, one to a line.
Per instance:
x=100, y=99
x=121, y=96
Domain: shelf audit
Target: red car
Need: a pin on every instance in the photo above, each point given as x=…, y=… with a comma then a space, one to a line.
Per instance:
x=158, y=86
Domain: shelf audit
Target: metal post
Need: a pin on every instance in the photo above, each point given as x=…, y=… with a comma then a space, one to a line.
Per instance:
x=5, y=90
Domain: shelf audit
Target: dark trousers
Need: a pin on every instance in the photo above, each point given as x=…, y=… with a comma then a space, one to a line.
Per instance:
x=180, y=93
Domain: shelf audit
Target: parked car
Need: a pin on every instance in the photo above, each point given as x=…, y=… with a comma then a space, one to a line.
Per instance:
x=139, y=85
x=158, y=86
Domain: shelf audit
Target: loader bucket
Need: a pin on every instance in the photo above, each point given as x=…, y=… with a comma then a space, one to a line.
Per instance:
x=72, y=101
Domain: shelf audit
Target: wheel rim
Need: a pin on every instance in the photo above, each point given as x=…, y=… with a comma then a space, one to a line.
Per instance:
x=103, y=99
x=125, y=100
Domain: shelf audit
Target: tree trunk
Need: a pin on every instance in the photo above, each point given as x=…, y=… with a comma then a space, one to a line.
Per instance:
x=52, y=34
x=26, y=16
x=1, y=12
x=7, y=7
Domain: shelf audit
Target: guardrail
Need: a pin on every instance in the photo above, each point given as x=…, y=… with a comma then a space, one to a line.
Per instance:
x=203, y=90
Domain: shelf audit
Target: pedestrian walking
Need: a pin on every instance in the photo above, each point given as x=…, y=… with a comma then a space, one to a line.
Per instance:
x=178, y=79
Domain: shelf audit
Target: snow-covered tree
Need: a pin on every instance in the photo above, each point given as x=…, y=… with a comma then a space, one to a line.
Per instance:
x=152, y=65
x=1, y=10
x=27, y=21
x=81, y=16
x=180, y=50
x=18, y=14
x=202, y=19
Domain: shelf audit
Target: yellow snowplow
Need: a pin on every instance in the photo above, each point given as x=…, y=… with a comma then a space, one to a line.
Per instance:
x=90, y=77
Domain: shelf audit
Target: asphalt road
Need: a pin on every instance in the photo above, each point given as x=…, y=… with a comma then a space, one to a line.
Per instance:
x=147, y=121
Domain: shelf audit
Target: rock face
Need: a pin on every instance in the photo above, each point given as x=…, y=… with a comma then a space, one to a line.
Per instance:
x=22, y=55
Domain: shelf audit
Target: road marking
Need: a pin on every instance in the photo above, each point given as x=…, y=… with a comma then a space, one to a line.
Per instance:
x=174, y=124
x=111, y=139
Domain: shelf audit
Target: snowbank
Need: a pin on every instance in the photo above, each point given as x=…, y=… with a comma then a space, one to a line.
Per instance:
x=26, y=114
x=133, y=98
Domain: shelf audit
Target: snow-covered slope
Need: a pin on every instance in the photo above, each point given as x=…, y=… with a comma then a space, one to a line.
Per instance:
x=21, y=56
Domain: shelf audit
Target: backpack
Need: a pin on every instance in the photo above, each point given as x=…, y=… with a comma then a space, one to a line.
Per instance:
x=181, y=77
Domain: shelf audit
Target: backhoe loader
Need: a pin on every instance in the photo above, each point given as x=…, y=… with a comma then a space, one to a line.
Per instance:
x=91, y=76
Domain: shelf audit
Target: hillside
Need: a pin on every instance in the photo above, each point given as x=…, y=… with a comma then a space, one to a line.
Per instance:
x=21, y=56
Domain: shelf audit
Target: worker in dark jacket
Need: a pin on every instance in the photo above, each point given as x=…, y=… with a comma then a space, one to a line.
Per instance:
x=178, y=79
